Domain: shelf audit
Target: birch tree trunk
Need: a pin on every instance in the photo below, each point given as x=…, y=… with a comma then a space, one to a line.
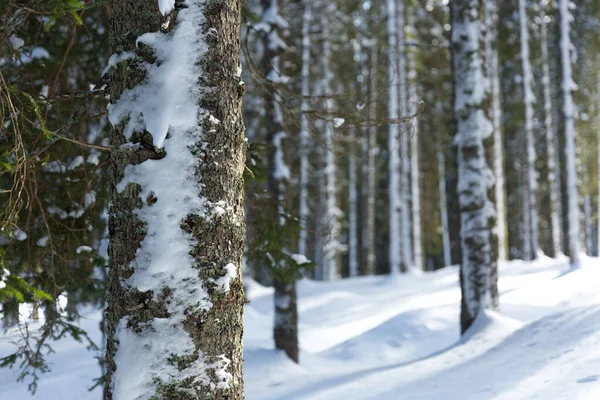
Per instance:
x=406, y=240
x=304, y=133
x=331, y=243
x=414, y=154
x=569, y=133
x=491, y=18
x=550, y=137
x=394, y=201
x=175, y=297
x=531, y=203
x=478, y=271
x=285, y=328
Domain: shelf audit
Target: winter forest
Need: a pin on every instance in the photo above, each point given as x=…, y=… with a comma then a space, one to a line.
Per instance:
x=299, y=199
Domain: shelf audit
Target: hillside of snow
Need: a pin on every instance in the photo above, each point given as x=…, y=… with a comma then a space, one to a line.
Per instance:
x=398, y=338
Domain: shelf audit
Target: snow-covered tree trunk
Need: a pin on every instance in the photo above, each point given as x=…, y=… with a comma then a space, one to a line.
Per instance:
x=331, y=244
x=414, y=153
x=478, y=271
x=550, y=136
x=352, y=206
x=285, y=328
x=304, y=132
x=568, y=85
x=529, y=135
x=369, y=240
x=175, y=297
x=491, y=17
x=395, y=250
x=403, y=92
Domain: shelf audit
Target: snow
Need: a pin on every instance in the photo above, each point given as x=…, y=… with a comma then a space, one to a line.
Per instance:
x=224, y=282
x=82, y=249
x=20, y=235
x=337, y=122
x=385, y=338
x=43, y=241
x=77, y=161
x=3, y=276
x=93, y=159
x=300, y=259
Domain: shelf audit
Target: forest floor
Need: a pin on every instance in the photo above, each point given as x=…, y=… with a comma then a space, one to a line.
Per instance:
x=385, y=338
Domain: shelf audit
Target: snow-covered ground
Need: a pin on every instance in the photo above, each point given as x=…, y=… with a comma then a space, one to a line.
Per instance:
x=397, y=338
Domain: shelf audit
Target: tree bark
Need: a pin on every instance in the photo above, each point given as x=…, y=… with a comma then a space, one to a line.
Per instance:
x=285, y=330
x=175, y=296
x=478, y=271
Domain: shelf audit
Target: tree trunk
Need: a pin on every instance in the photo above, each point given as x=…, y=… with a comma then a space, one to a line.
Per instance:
x=304, y=133
x=394, y=200
x=550, y=137
x=175, y=297
x=406, y=239
x=569, y=133
x=415, y=169
x=285, y=328
x=369, y=238
x=478, y=271
x=529, y=135
x=494, y=77
x=352, y=206
x=331, y=246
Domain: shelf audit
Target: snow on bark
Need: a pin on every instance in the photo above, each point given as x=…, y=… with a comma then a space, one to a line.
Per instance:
x=304, y=132
x=331, y=245
x=478, y=268
x=568, y=85
x=406, y=240
x=163, y=290
x=529, y=135
x=395, y=250
x=414, y=154
x=491, y=17
x=550, y=136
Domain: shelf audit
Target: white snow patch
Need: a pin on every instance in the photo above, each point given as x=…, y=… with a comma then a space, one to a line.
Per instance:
x=77, y=161
x=82, y=249
x=224, y=282
x=43, y=242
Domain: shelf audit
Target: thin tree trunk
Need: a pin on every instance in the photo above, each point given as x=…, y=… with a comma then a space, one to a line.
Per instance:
x=394, y=200
x=441, y=158
x=529, y=135
x=414, y=155
x=372, y=152
x=304, y=133
x=478, y=272
x=406, y=240
x=569, y=133
x=175, y=297
x=491, y=17
x=352, y=206
x=554, y=187
x=285, y=328
x=332, y=245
